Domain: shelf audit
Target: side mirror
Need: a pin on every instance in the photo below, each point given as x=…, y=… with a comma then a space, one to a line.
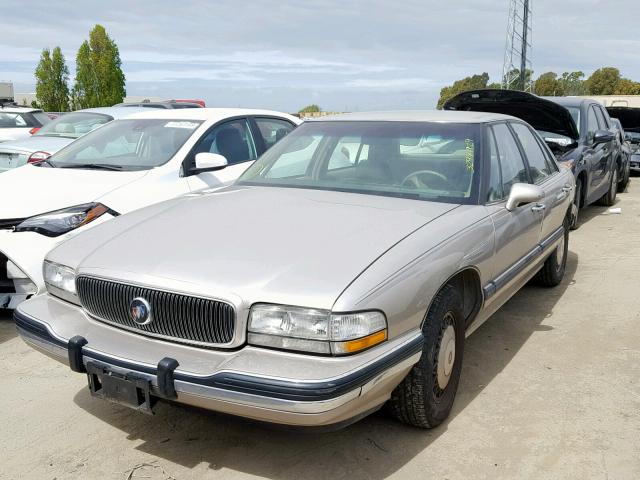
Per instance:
x=208, y=162
x=602, y=136
x=523, y=193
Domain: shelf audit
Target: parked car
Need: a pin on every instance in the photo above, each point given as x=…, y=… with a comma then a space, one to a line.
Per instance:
x=57, y=134
x=577, y=130
x=313, y=292
x=20, y=122
x=172, y=104
x=625, y=154
x=124, y=165
x=630, y=119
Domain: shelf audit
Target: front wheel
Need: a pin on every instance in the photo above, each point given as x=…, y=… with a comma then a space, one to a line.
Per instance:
x=425, y=397
x=622, y=186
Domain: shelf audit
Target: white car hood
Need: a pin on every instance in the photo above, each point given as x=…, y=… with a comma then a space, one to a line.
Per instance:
x=31, y=190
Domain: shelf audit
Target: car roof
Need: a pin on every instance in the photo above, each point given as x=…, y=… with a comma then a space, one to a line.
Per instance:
x=115, y=112
x=443, y=116
x=214, y=114
x=570, y=101
x=10, y=108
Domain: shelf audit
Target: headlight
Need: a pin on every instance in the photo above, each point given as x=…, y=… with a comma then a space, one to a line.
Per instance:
x=316, y=331
x=60, y=281
x=59, y=222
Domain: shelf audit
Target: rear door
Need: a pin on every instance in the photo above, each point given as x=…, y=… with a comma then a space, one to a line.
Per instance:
x=545, y=173
x=517, y=232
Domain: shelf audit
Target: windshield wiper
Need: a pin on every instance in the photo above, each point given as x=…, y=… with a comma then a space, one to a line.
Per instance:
x=94, y=166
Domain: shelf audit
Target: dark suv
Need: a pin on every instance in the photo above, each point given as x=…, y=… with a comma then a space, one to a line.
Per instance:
x=577, y=130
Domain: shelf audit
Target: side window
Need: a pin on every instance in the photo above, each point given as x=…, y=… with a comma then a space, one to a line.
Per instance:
x=538, y=166
x=494, y=192
x=232, y=140
x=272, y=130
x=592, y=123
x=602, y=118
x=513, y=168
x=347, y=153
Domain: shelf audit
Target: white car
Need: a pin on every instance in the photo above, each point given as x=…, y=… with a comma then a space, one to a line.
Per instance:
x=126, y=164
x=57, y=134
x=17, y=122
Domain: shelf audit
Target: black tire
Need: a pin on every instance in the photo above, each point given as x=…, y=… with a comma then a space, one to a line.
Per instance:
x=622, y=186
x=552, y=272
x=419, y=400
x=577, y=201
x=609, y=198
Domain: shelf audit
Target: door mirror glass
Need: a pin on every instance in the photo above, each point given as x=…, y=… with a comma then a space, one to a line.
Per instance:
x=522, y=194
x=206, y=161
x=602, y=136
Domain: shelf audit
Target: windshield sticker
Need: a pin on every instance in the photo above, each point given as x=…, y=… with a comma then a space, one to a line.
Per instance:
x=468, y=153
x=187, y=125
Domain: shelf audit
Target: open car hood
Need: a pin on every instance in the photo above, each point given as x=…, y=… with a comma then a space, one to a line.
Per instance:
x=629, y=117
x=541, y=114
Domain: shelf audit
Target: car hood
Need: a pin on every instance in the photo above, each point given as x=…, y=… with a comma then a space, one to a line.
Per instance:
x=629, y=117
x=31, y=190
x=252, y=244
x=541, y=114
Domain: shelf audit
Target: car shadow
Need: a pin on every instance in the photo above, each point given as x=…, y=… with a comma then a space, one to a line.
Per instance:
x=375, y=447
x=7, y=326
x=590, y=212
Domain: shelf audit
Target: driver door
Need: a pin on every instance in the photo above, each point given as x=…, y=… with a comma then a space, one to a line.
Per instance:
x=231, y=139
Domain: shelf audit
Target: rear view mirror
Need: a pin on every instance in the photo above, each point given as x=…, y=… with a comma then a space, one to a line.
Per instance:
x=207, y=162
x=602, y=136
x=522, y=194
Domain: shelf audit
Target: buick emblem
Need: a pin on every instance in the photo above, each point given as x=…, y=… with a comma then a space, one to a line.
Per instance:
x=140, y=311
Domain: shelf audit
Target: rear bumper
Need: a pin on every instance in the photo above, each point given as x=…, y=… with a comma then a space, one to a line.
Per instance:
x=343, y=394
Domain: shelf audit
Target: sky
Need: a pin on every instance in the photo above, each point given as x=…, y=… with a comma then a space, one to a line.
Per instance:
x=342, y=55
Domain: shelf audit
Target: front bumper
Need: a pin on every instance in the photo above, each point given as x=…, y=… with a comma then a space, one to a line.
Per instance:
x=261, y=384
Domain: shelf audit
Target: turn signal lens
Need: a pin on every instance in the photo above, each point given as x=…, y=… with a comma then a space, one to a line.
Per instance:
x=354, y=346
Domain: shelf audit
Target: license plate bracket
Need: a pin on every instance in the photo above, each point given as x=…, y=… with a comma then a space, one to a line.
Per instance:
x=124, y=389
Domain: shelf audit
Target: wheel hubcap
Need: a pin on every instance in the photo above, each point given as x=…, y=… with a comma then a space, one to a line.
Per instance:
x=446, y=355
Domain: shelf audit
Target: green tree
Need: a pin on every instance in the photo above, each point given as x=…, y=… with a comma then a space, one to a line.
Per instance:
x=52, y=77
x=548, y=84
x=572, y=83
x=627, y=87
x=99, y=80
x=474, y=82
x=603, y=81
x=310, y=109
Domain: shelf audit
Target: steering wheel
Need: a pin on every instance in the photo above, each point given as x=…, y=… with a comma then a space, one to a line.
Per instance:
x=415, y=180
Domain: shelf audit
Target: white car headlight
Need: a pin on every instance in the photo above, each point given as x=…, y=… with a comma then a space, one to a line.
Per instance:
x=60, y=281
x=316, y=331
x=59, y=222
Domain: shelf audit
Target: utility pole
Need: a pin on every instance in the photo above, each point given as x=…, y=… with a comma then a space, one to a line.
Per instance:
x=517, y=60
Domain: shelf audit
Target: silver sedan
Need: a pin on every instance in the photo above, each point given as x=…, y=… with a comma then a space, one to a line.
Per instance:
x=340, y=273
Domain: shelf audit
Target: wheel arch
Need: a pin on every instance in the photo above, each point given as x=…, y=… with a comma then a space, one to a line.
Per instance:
x=467, y=281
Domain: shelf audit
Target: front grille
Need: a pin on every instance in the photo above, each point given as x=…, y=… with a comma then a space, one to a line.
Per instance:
x=175, y=317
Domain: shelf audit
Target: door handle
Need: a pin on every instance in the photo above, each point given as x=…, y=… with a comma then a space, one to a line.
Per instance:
x=567, y=188
x=538, y=207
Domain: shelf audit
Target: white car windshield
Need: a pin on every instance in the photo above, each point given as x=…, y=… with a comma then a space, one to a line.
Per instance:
x=73, y=125
x=127, y=144
x=419, y=160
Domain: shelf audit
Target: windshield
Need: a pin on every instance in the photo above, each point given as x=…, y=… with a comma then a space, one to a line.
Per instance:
x=127, y=144
x=423, y=161
x=73, y=125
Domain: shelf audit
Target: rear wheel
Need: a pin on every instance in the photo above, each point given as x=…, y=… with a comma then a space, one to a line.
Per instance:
x=425, y=397
x=609, y=198
x=552, y=272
